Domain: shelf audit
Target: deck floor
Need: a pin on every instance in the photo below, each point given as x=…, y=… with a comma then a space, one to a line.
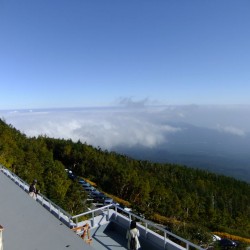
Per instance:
x=104, y=238
x=29, y=226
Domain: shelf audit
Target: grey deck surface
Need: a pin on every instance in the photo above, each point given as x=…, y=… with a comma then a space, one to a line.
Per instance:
x=113, y=237
x=29, y=226
x=104, y=238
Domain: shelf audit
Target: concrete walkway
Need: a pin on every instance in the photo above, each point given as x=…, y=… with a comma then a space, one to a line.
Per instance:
x=28, y=226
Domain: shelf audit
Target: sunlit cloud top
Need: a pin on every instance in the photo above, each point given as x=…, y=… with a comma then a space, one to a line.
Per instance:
x=127, y=126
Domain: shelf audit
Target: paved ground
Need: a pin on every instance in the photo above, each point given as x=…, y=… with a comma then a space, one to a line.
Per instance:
x=28, y=226
x=108, y=239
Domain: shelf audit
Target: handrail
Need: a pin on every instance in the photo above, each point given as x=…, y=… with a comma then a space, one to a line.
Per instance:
x=75, y=217
x=62, y=214
x=92, y=211
x=146, y=222
x=43, y=200
x=165, y=232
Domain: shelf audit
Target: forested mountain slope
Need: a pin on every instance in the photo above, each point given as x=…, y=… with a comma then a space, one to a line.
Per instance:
x=30, y=159
x=197, y=199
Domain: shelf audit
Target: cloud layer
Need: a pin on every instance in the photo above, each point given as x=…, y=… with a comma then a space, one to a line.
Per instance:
x=130, y=125
x=106, y=128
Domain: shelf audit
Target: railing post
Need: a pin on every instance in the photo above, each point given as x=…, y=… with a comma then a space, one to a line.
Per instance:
x=165, y=239
x=187, y=247
x=1, y=237
x=146, y=229
x=59, y=213
x=108, y=215
x=115, y=212
x=93, y=218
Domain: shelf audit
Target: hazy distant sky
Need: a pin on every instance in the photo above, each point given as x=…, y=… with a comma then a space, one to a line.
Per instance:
x=76, y=53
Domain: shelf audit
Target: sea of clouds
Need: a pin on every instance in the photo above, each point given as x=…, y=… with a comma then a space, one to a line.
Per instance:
x=128, y=125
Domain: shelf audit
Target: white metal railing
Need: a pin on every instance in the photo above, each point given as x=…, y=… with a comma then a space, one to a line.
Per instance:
x=165, y=232
x=53, y=208
x=1, y=237
x=93, y=214
x=69, y=219
x=43, y=200
x=145, y=223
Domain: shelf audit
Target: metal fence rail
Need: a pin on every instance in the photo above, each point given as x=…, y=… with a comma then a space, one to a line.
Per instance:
x=145, y=222
x=76, y=220
x=43, y=200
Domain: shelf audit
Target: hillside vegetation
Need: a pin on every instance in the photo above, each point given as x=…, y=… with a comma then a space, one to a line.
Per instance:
x=193, y=201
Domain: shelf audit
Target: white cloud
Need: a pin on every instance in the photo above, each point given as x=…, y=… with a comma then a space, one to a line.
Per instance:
x=130, y=125
x=231, y=130
x=106, y=128
x=129, y=102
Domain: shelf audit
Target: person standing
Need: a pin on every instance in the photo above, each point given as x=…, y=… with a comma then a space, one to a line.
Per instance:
x=32, y=189
x=132, y=236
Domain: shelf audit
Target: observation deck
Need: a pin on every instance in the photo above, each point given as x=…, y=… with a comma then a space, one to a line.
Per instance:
x=40, y=224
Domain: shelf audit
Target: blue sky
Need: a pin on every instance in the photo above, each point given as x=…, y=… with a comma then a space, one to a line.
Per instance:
x=82, y=53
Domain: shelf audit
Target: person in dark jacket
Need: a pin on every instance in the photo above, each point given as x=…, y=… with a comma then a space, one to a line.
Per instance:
x=32, y=189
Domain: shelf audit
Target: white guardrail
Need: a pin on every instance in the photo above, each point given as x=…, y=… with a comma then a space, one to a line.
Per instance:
x=146, y=224
x=43, y=200
x=77, y=220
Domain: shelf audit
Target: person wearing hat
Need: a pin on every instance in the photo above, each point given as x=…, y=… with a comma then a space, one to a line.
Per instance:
x=32, y=189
